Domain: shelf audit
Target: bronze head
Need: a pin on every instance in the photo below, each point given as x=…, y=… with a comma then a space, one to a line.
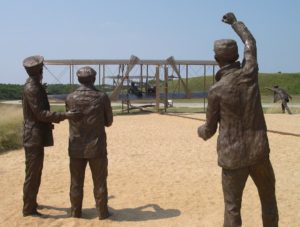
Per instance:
x=86, y=75
x=226, y=51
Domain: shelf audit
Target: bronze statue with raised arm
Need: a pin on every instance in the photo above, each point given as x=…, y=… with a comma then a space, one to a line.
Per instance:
x=87, y=141
x=243, y=149
x=37, y=132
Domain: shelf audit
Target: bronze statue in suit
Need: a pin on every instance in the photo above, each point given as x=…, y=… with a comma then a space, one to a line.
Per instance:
x=87, y=141
x=243, y=149
x=37, y=132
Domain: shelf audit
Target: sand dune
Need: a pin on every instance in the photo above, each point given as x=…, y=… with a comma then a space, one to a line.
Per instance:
x=160, y=174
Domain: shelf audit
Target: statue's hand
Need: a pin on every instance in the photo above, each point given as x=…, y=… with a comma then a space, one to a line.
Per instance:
x=229, y=18
x=73, y=115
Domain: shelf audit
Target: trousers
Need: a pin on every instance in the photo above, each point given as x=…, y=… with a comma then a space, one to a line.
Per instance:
x=284, y=107
x=34, y=158
x=233, y=183
x=98, y=168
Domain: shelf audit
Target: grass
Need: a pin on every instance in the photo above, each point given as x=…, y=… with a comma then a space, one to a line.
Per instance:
x=288, y=81
x=61, y=108
x=277, y=110
x=57, y=108
x=269, y=99
x=10, y=127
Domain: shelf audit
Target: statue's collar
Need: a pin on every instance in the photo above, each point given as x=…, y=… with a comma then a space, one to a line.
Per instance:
x=225, y=69
x=83, y=87
x=33, y=81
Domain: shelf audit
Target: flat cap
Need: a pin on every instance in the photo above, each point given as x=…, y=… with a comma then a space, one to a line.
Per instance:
x=33, y=61
x=226, y=49
x=33, y=64
x=86, y=72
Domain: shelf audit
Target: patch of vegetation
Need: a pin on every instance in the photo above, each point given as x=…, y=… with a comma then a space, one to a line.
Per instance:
x=10, y=91
x=185, y=110
x=277, y=110
x=10, y=127
x=57, y=108
x=288, y=81
x=61, y=88
x=269, y=99
x=61, y=108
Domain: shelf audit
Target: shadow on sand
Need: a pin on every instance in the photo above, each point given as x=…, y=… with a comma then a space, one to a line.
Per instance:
x=142, y=213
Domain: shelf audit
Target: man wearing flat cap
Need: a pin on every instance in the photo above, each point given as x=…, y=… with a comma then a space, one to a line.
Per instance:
x=243, y=148
x=87, y=141
x=37, y=132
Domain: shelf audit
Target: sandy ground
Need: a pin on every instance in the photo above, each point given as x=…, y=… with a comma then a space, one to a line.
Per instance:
x=160, y=174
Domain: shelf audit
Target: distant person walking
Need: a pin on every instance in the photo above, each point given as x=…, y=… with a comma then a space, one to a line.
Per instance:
x=280, y=94
x=37, y=130
x=243, y=148
x=87, y=141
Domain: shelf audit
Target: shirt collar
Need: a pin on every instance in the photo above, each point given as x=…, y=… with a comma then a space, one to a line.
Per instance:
x=226, y=68
x=83, y=87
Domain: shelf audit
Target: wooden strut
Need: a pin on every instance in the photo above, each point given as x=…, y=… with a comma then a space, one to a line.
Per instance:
x=157, y=84
x=171, y=61
x=129, y=106
x=132, y=62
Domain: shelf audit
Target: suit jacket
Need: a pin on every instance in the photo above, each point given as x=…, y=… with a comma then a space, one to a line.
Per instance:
x=87, y=137
x=234, y=103
x=37, y=129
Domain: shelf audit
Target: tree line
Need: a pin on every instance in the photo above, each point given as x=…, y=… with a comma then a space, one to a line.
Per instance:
x=14, y=91
x=288, y=81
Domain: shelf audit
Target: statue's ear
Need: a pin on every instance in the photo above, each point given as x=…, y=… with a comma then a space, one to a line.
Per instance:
x=218, y=60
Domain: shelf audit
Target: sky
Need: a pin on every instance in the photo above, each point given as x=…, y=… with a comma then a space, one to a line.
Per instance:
x=149, y=29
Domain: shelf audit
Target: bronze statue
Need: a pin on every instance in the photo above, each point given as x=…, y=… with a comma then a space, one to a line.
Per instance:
x=87, y=142
x=37, y=132
x=280, y=94
x=243, y=148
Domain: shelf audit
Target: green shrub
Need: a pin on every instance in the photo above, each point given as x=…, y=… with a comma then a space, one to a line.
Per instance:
x=10, y=91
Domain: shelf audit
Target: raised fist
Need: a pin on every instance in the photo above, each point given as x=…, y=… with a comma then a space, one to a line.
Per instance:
x=229, y=18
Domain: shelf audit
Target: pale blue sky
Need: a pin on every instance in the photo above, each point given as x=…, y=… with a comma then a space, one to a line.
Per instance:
x=149, y=29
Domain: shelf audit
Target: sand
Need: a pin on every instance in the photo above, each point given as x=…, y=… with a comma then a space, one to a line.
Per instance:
x=160, y=174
